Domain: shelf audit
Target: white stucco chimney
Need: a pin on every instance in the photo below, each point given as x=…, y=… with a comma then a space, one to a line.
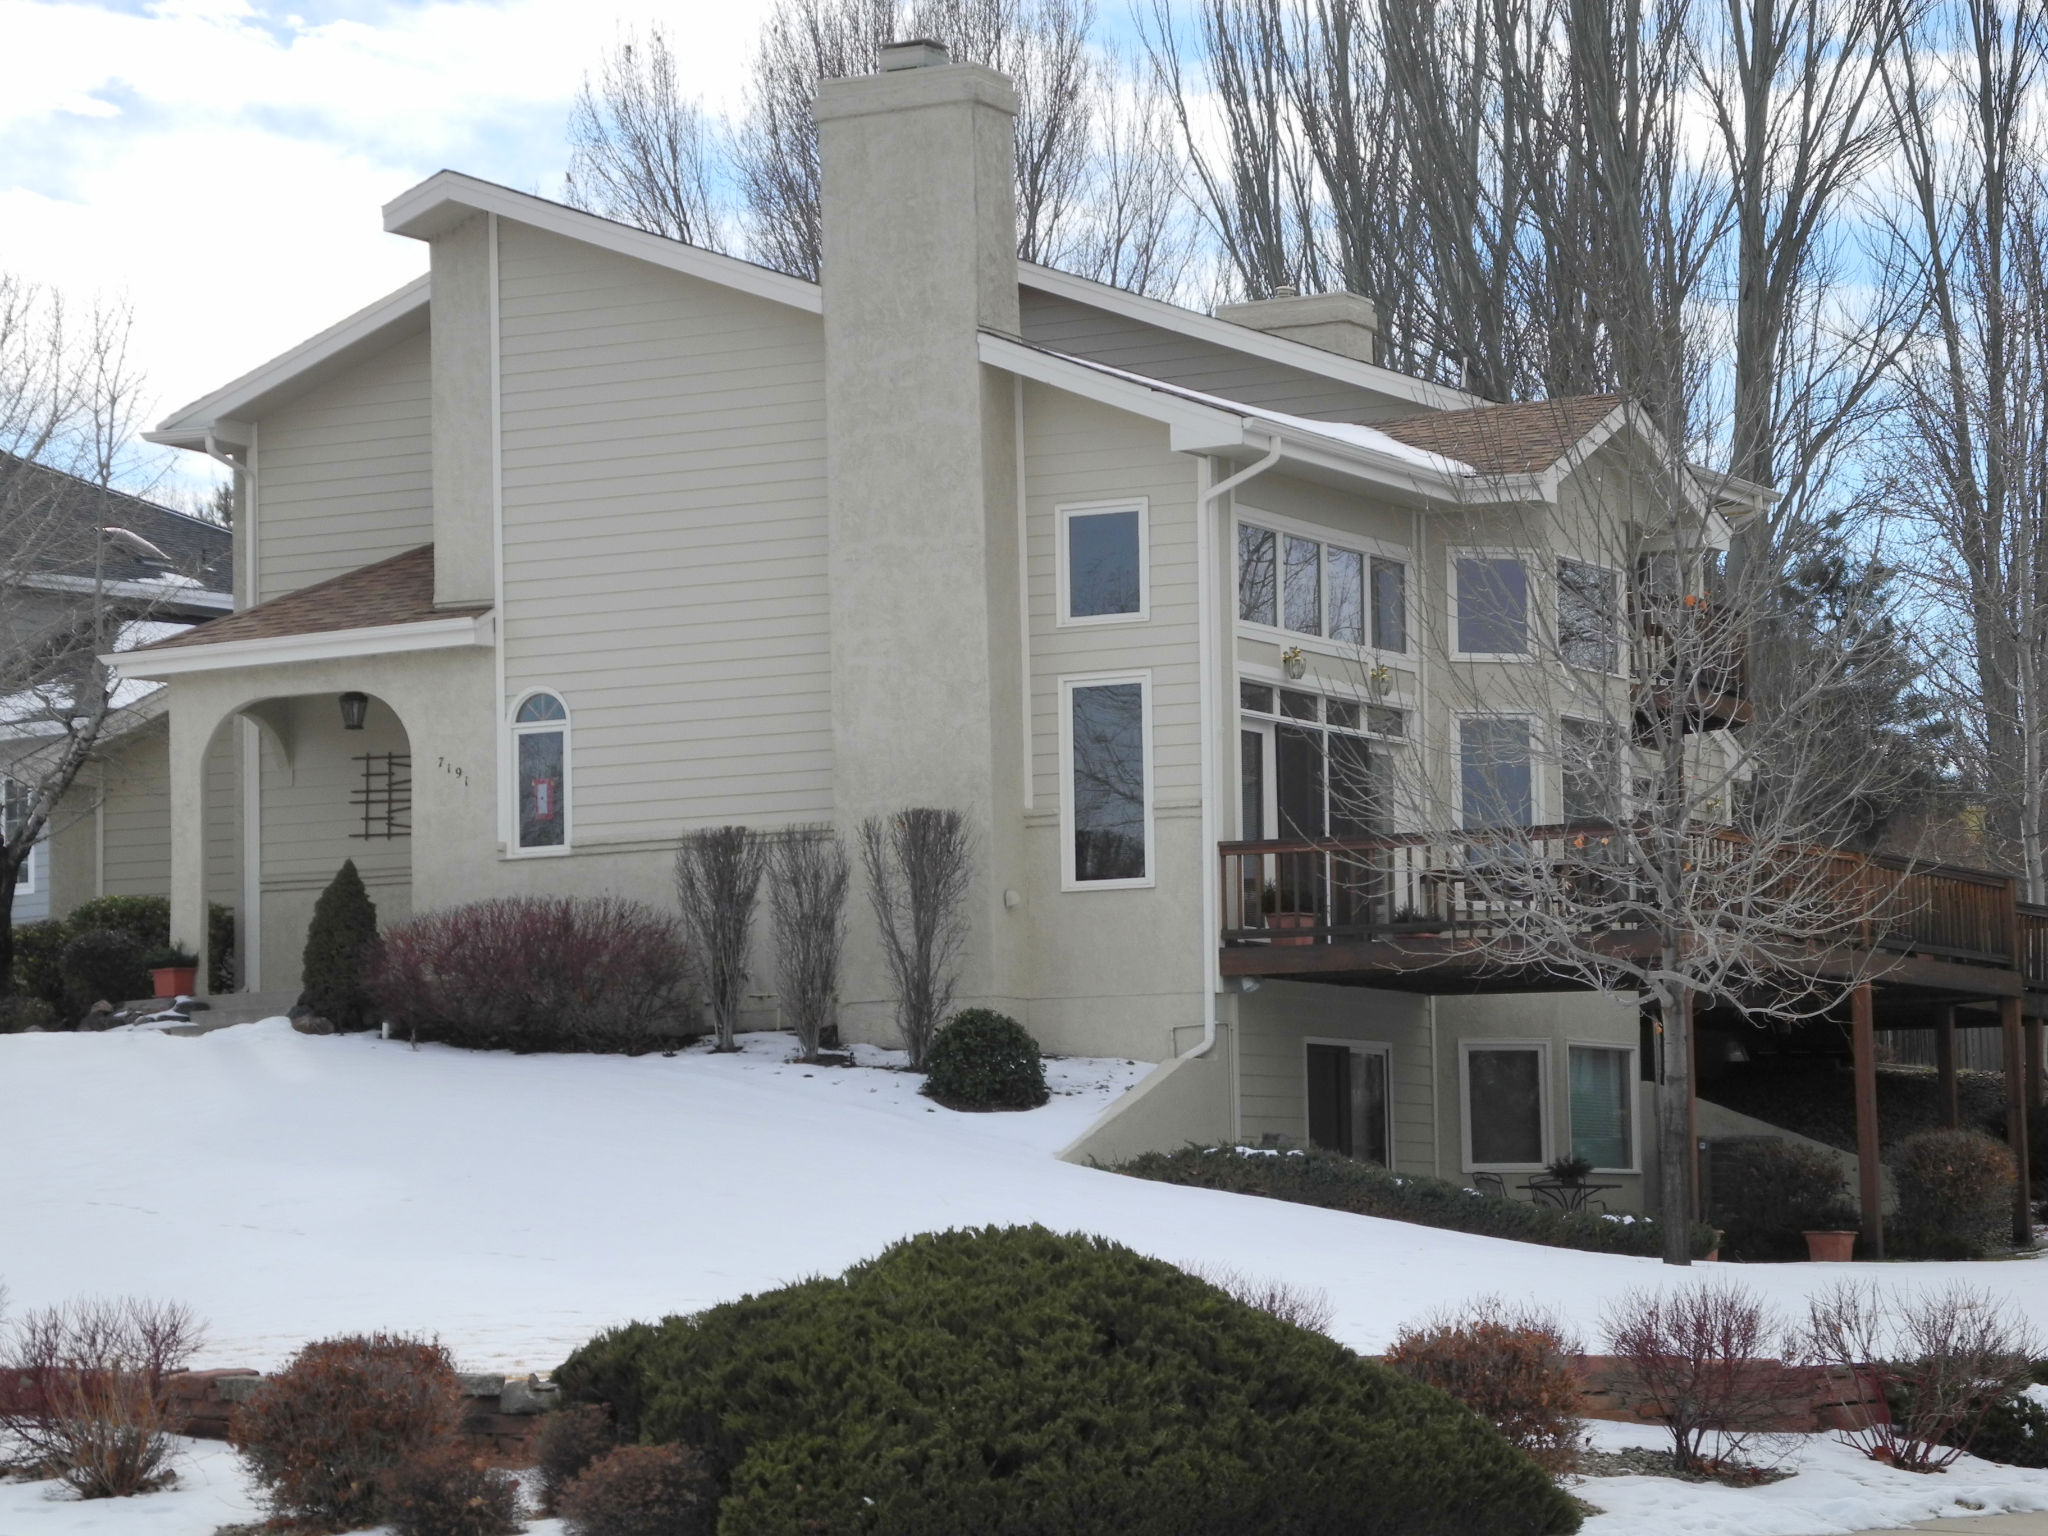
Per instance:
x=1345, y=323
x=920, y=234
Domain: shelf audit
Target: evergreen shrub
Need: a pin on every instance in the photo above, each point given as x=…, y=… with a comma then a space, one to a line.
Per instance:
x=102, y=964
x=985, y=1060
x=450, y=1491
x=1013, y=1381
x=537, y=973
x=642, y=1490
x=39, y=960
x=1955, y=1194
x=1337, y=1183
x=611, y=1372
x=1768, y=1193
x=1512, y=1368
x=22, y=1011
x=323, y=1436
x=148, y=920
x=338, y=941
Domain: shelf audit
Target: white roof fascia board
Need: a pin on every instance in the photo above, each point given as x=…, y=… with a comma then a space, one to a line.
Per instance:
x=447, y=197
x=1241, y=338
x=1193, y=427
x=187, y=427
x=330, y=645
x=142, y=591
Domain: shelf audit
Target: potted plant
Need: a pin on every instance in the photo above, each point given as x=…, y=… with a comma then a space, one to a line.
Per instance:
x=1827, y=1245
x=1571, y=1170
x=174, y=972
x=1269, y=904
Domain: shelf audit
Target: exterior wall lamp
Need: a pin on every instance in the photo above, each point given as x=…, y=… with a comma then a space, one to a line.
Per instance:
x=354, y=706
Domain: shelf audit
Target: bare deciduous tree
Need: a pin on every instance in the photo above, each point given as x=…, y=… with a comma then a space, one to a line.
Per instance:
x=807, y=883
x=70, y=406
x=718, y=881
x=640, y=152
x=919, y=865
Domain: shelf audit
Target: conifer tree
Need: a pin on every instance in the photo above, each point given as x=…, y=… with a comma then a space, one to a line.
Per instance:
x=337, y=943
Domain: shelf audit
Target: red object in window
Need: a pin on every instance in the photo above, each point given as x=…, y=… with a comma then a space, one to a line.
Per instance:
x=544, y=800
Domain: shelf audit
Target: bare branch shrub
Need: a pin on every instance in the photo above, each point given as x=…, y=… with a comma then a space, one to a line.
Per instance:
x=808, y=876
x=1510, y=1365
x=1938, y=1362
x=1300, y=1305
x=718, y=881
x=919, y=864
x=86, y=1395
x=1708, y=1361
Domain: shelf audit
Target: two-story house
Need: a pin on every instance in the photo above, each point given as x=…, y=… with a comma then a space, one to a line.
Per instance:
x=588, y=536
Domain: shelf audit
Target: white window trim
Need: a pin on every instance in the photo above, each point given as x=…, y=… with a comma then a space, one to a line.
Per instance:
x=1378, y=1047
x=1546, y=1092
x=1064, y=513
x=1358, y=544
x=1067, y=685
x=25, y=877
x=1630, y=1080
x=1619, y=637
x=1538, y=786
x=1532, y=606
x=1330, y=688
x=509, y=788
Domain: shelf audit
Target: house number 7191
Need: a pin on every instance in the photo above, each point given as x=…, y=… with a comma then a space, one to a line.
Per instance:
x=455, y=768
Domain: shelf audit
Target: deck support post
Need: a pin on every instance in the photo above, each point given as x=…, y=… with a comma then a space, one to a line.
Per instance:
x=1945, y=1069
x=1869, y=1177
x=2033, y=1065
x=2011, y=1029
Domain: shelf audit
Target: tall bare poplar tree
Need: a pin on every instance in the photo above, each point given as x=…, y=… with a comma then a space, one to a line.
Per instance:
x=640, y=152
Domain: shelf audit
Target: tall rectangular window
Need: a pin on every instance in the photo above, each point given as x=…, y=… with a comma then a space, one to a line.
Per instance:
x=1108, y=794
x=1347, y=596
x=13, y=813
x=1302, y=592
x=1102, y=563
x=1493, y=606
x=1602, y=1106
x=1504, y=1106
x=1587, y=615
x=1389, y=605
x=1258, y=582
x=1589, y=770
x=1493, y=771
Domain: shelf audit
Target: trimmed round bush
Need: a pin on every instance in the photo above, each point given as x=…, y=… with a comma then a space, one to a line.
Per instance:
x=1769, y=1193
x=450, y=1491
x=1955, y=1194
x=567, y=1441
x=1512, y=1368
x=324, y=1434
x=103, y=964
x=1014, y=1381
x=642, y=1490
x=537, y=973
x=985, y=1060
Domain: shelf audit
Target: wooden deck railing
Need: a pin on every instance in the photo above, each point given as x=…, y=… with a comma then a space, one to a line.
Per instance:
x=1468, y=886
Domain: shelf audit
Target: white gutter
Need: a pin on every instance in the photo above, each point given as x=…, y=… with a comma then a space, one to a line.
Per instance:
x=322, y=645
x=1205, y=598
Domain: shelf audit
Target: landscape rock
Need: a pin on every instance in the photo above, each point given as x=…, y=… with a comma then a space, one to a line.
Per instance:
x=309, y=1023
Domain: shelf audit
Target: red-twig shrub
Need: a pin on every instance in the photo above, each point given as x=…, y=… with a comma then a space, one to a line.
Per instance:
x=85, y=1395
x=536, y=973
x=569, y=1440
x=1706, y=1359
x=450, y=1491
x=1510, y=1366
x=322, y=1435
x=642, y=1490
x=1939, y=1361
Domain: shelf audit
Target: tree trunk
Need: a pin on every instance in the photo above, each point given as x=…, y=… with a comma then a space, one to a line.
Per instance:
x=1674, y=1125
x=10, y=874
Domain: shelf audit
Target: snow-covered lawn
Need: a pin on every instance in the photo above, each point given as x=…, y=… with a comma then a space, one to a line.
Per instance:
x=288, y=1186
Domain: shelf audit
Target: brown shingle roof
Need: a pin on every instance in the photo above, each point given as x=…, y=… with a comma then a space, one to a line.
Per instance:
x=1521, y=439
x=395, y=591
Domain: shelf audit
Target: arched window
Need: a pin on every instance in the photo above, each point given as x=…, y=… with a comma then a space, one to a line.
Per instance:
x=540, y=771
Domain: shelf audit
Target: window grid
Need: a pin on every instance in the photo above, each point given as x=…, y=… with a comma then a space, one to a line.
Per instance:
x=1302, y=585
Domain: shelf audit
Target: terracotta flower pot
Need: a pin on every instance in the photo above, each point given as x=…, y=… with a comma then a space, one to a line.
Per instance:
x=175, y=980
x=1830, y=1247
x=1291, y=920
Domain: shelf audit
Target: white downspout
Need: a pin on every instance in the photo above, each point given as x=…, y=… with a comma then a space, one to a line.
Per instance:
x=1205, y=599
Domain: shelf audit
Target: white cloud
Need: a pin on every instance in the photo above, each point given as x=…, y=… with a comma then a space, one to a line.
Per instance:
x=222, y=164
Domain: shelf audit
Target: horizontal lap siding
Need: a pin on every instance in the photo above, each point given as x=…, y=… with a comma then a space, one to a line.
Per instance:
x=665, y=537
x=1277, y=1022
x=1061, y=325
x=345, y=472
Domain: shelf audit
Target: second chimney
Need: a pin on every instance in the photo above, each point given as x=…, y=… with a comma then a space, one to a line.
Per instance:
x=1344, y=323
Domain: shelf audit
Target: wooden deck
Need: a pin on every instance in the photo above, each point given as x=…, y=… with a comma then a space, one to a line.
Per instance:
x=1934, y=946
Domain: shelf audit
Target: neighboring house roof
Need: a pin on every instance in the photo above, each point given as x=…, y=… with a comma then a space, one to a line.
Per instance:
x=197, y=582
x=1525, y=438
x=395, y=591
